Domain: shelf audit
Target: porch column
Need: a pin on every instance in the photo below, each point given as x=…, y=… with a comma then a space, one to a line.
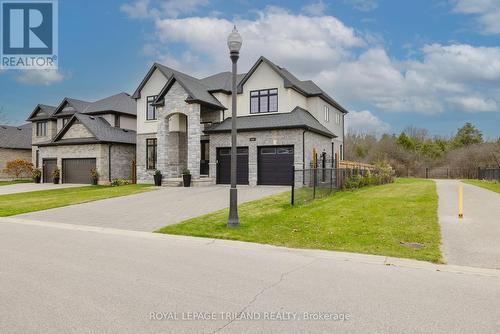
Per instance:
x=162, y=145
x=193, y=140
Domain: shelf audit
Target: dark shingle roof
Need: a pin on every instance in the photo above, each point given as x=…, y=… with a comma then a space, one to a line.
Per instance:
x=99, y=127
x=78, y=106
x=121, y=102
x=15, y=137
x=41, y=112
x=221, y=81
x=297, y=119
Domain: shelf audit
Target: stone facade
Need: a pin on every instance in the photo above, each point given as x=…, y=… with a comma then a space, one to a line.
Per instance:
x=77, y=130
x=293, y=137
x=143, y=175
x=8, y=154
x=121, y=158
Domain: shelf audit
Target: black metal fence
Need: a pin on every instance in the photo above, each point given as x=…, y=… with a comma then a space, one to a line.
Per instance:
x=490, y=174
x=313, y=183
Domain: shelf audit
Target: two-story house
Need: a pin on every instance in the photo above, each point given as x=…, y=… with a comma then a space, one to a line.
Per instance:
x=184, y=122
x=78, y=136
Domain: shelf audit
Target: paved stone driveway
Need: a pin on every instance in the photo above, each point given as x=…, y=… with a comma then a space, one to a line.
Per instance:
x=152, y=210
x=25, y=187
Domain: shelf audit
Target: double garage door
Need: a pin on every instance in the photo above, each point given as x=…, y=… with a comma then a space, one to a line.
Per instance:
x=77, y=170
x=274, y=165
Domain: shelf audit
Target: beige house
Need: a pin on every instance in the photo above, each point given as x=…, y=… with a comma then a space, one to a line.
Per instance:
x=15, y=143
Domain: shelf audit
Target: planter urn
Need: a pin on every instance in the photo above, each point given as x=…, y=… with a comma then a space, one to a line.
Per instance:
x=186, y=180
x=158, y=178
x=56, y=180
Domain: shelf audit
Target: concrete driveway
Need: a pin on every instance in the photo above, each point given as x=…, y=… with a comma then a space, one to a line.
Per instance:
x=25, y=187
x=66, y=279
x=475, y=239
x=151, y=210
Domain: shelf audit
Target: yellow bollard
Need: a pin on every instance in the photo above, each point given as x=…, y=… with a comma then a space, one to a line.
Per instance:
x=460, y=201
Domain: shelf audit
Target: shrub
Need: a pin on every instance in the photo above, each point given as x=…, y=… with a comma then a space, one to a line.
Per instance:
x=36, y=173
x=119, y=182
x=56, y=173
x=94, y=174
x=18, y=168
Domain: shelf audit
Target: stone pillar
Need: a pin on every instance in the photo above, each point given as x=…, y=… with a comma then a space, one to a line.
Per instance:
x=193, y=140
x=162, y=146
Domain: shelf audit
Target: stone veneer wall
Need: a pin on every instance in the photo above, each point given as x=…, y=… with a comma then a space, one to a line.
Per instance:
x=121, y=158
x=7, y=154
x=269, y=138
x=143, y=175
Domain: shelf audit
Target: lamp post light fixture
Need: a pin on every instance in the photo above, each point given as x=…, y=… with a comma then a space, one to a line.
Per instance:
x=234, y=42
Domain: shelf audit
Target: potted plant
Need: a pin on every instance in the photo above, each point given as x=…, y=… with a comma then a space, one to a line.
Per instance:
x=157, y=176
x=56, y=175
x=94, y=175
x=37, y=175
x=186, y=178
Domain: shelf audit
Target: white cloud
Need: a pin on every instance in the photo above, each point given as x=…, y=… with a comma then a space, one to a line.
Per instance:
x=40, y=77
x=487, y=12
x=363, y=5
x=474, y=103
x=136, y=10
x=364, y=122
x=315, y=8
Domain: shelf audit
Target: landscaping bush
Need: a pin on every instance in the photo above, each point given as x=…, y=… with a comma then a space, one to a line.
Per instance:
x=382, y=174
x=119, y=182
x=18, y=168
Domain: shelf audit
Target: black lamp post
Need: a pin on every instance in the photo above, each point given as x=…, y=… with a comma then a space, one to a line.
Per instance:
x=234, y=42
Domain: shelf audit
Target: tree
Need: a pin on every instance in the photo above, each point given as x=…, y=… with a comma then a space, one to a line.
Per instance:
x=18, y=168
x=405, y=141
x=467, y=135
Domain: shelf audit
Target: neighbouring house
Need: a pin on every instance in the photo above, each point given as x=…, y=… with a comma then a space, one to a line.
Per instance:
x=15, y=143
x=78, y=136
x=184, y=122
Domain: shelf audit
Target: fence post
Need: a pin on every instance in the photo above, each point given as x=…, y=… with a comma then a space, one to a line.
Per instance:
x=479, y=173
x=426, y=172
x=293, y=185
x=331, y=180
x=315, y=175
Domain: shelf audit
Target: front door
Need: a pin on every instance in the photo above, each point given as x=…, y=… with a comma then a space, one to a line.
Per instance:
x=205, y=157
x=49, y=165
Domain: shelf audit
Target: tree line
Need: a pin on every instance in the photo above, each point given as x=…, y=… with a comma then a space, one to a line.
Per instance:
x=414, y=150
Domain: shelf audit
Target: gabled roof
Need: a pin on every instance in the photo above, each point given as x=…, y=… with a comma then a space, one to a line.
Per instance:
x=166, y=71
x=102, y=131
x=221, y=82
x=307, y=88
x=15, y=137
x=78, y=105
x=44, y=109
x=298, y=118
x=196, y=90
x=121, y=103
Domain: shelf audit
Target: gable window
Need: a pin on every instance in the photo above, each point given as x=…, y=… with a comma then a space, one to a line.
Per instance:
x=327, y=114
x=262, y=101
x=41, y=129
x=117, y=121
x=151, y=153
x=150, y=109
x=337, y=118
x=65, y=121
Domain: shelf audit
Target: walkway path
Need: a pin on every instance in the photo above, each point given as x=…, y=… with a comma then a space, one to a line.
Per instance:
x=475, y=239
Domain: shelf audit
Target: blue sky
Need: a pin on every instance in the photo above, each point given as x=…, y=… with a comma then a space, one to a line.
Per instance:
x=392, y=63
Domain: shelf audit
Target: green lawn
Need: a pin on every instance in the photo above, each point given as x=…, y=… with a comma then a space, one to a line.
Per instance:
x=14, y=204
x=6, y=183
x=493, y=186
x=372, y=220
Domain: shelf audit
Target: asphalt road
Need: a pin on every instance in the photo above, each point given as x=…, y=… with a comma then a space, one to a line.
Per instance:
x=61, y=278
x=475, y=239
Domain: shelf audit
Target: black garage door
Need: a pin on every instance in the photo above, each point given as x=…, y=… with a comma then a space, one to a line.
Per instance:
x=275, y=165
x=49, y=165
x=77, y=170
x=224, y=165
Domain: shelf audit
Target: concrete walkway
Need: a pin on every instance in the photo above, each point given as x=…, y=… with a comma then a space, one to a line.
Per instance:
x=475, y=239
x=151, y=210
x=63, y=278
x=25, y=187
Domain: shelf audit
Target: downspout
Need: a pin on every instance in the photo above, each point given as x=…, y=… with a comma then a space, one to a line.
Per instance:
x=304, y=149
x=343, y=136
x=109, y=162
x=333, y=154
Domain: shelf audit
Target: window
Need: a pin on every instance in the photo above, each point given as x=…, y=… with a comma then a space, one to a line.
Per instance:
x=117, y=121
x=262, y=101
x=327, y=114
x=151, y=153
x=337, y=118
x=285, y=150
x=150, y=109
x=268, y=150
x=37, y=162
x=41, y=129
x=65, y=121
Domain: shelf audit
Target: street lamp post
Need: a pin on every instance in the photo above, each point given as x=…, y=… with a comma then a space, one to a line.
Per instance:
x=234, y=42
